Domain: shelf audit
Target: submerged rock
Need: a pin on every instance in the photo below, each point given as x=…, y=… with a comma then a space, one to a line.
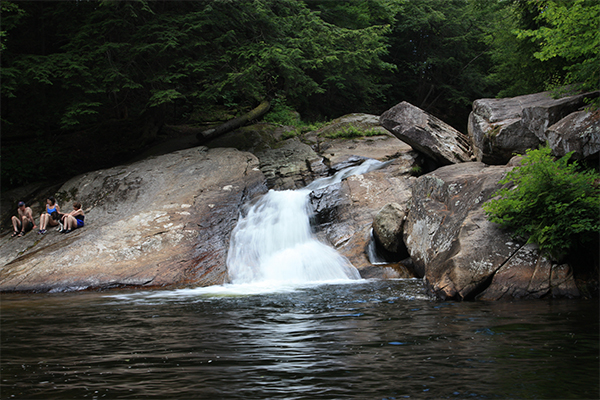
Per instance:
x=162, y=222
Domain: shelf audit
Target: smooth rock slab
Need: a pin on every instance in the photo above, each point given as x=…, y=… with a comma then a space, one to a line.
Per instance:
x=161, y=222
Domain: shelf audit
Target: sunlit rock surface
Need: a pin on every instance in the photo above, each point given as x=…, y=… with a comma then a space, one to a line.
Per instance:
x=164, y=221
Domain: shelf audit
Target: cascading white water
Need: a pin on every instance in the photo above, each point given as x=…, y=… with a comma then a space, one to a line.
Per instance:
x=274, y=244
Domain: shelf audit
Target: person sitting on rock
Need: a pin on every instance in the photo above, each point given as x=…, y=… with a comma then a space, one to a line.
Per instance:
x=51, y=217
x=24, y=222
x=74, y=219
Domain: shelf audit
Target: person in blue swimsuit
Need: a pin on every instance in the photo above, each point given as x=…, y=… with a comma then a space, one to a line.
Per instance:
x=74, y=219
x=51, y=216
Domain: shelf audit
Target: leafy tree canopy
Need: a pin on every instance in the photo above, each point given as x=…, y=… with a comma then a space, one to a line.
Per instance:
x=538, y=45
x=569, y=30
x=121, y=58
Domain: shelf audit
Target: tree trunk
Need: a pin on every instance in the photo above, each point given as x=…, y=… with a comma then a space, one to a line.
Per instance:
x=235, y=123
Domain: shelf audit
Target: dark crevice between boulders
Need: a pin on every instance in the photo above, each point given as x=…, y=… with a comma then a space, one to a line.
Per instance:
x=585, y=265
x=482, y=286
x=485, y=284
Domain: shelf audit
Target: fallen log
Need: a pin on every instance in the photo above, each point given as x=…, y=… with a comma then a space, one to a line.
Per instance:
x=235, y=123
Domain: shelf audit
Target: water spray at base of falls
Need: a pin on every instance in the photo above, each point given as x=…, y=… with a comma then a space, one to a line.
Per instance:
x=274, y=243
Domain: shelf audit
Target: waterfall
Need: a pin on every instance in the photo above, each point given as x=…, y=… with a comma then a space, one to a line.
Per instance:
x=274, y=243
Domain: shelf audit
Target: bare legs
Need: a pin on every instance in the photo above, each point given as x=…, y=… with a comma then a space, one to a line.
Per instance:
x=46, y=221
x=70, y=222
x=20, y=226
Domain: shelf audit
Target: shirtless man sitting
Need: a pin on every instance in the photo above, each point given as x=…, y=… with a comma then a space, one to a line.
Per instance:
x=24, y=223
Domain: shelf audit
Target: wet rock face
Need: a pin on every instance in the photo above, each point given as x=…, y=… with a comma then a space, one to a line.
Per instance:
x=461, y=254
x=162, y=222
x=344, y=214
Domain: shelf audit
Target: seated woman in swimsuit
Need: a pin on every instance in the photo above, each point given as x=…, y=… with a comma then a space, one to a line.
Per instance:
x=51, y=216
x=74, y=219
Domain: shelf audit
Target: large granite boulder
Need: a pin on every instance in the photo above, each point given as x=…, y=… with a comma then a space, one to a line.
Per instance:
x=499, y=128
x=578, y=132
x=427, y=134
x=460, y=253
x=527, y=275
x=161, y=222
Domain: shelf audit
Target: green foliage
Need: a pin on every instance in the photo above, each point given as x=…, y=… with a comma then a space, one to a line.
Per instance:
x=10, y=14
x=570, y=30
x=282, y=114
x=416, y=170
x=443, y=64
x=550, y=202
x=125, y=57
x=514, y=68
x=351, y=131
x=538, y=45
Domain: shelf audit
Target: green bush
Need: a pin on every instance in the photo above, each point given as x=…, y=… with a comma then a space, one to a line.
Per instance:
x=351, y=132
x=549, y=202
x=282, y=114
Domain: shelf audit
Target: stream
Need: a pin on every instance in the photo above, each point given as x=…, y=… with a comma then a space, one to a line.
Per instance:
x=296, y=322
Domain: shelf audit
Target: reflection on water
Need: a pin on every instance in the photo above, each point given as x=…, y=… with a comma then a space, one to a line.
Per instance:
x=366, y=340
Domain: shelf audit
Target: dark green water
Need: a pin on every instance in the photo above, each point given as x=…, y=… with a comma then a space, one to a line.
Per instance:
x=369, y=340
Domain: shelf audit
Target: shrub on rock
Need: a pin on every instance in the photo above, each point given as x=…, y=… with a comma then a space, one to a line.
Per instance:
x=552, y=203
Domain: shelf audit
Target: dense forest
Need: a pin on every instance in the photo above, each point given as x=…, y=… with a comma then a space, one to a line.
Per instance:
x=87, y=84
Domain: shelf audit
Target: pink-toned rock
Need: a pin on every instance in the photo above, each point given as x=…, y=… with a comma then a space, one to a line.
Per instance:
x=161, y=222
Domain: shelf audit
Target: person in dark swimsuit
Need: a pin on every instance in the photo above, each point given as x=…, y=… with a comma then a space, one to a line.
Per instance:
x=24, y=222
x=74, y=219
x=51, y=216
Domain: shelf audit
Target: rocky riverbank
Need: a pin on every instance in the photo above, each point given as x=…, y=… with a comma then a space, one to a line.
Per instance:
x=165, y=221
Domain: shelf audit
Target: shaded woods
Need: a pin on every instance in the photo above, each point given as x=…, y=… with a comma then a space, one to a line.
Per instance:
x=90, y=84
